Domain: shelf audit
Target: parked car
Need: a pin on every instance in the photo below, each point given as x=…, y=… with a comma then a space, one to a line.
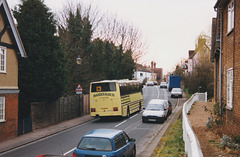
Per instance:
x=155, y=82
x=51, y=155
x=150, y=83
x=163, y=85
x=176, y=92
x=106, y=142
x=156, y=111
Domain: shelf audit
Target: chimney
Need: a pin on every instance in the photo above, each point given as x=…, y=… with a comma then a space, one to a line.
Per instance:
x=190, y=54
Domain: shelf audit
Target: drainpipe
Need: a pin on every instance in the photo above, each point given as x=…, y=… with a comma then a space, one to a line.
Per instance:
x=220, y=59
x=220, y=69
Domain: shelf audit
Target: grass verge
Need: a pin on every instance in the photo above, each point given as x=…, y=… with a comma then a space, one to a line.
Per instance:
x=171, y=144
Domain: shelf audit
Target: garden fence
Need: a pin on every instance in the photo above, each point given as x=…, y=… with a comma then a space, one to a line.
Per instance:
x=192, y=146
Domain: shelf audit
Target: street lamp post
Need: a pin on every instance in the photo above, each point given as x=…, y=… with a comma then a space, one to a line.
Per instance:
x=199, y=89
x=79, y=61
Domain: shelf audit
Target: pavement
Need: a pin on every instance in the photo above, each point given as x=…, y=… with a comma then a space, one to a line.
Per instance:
x=38, y=134
x=22, y=140
x=150, y=147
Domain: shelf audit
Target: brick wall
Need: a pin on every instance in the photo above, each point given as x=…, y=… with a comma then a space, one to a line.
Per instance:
x=236, y=85
x=231, y=59
x=9, y=127
x=46, y=114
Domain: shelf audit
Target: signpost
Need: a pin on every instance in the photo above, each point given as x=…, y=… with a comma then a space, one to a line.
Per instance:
x=79, y=89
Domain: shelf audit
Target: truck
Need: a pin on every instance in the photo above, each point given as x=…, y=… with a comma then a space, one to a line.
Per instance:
x=174, y=82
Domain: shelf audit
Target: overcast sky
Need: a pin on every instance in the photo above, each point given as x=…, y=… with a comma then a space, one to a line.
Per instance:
x=170, y=27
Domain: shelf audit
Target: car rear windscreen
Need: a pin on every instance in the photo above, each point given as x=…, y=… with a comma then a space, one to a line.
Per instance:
x=92, y=143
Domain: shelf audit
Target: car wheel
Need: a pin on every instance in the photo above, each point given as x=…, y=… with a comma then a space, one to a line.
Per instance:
x=133, y=152
x=144, y=120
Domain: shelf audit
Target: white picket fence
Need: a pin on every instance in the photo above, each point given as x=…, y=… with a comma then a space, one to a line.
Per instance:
x=192, y=146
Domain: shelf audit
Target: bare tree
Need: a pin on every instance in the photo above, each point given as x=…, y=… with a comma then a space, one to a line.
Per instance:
x=122, y=33
x=108, y=27
x=89, y=12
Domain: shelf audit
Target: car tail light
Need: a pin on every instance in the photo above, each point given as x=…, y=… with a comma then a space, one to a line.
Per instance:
x=115, y=109
x=74, y=154
x=93, y=109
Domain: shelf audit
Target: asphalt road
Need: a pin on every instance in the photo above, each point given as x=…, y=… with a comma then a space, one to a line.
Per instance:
x=66, y=141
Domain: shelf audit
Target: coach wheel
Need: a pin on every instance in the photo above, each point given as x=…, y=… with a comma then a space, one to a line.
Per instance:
x=128, y=113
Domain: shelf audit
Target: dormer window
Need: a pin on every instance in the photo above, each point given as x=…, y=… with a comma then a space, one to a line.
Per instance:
x=2, y=59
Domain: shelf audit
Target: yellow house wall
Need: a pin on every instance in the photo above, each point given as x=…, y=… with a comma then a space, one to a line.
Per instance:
x=9, y=80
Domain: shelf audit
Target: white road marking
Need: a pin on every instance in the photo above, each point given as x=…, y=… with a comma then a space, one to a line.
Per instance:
x=120, y=123
x=69, y=151
x=114, y=126
x=158, y=89
x=133, y=116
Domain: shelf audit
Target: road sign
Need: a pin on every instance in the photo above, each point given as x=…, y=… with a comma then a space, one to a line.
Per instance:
x=79, y=89
x=79, y=92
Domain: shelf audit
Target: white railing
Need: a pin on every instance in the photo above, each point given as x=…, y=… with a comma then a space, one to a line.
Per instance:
x=192, y=146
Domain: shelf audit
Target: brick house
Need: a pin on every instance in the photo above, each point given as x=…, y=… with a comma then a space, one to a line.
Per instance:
x=225, y=54
x=11, y=48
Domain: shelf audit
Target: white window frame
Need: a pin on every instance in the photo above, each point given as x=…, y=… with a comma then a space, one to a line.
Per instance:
x=230, y=88
x=3, y=56
x=2, y=109
x=230, y=16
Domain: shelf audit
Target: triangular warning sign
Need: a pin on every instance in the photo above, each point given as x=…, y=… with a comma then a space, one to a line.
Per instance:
x=79, y=88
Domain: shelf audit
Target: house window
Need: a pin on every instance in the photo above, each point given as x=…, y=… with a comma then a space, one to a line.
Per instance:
x=231, y=16
x=229, y=88
x=2, y=109
x=2, y=59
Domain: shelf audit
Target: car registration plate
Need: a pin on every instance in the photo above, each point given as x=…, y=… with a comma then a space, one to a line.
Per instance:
x=152, y=120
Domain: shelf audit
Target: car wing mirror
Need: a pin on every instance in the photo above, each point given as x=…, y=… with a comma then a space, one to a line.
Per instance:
x=133, y=139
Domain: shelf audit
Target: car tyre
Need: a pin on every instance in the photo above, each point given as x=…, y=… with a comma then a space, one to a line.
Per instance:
x=133, y=152
x=144, y=120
